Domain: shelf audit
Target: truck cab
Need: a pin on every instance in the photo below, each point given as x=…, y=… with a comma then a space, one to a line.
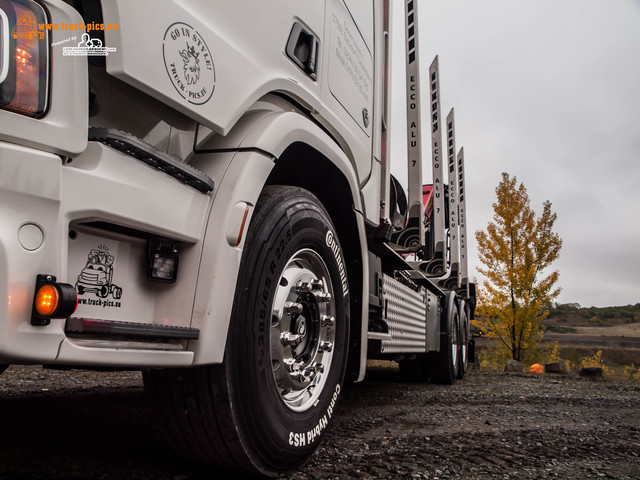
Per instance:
x=203, y=192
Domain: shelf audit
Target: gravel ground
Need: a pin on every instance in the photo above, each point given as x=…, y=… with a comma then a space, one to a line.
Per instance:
x=95, y=425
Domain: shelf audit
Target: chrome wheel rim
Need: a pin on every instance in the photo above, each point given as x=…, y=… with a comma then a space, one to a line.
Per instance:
x=454, y=342
x=302, y=332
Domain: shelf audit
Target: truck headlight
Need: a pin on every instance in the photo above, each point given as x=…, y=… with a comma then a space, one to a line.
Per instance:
x=24, y=57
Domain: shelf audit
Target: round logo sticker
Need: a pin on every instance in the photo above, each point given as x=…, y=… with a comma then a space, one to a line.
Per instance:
x=188, y=62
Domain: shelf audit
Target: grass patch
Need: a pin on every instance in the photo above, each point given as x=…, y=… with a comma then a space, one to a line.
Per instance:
x=560, y=329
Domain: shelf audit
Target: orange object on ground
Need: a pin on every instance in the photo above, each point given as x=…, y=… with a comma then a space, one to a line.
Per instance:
x=536, y=368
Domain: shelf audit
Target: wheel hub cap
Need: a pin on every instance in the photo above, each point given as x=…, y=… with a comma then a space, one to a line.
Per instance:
x=302, y=333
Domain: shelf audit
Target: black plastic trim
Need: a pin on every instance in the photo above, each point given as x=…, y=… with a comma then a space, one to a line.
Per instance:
x=92, y=326
x=136, y=148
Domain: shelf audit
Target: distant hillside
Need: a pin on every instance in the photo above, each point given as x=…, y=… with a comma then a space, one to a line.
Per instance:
x=574, y=315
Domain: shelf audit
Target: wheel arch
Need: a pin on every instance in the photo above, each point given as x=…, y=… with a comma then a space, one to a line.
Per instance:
x=307, y=156
x=300, y=154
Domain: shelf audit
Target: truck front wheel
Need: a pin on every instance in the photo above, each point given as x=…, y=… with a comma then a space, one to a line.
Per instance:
x=266, y=408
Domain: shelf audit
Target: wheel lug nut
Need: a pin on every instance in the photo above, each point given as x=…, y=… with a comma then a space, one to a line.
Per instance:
x=303, y=287
x=306, y=375
x=325, y=346
x=292, y=308
x=322, y=297
x=327, y=321
x=318, y=367
x=293, y=365
x=289, y=339
x=309, y=287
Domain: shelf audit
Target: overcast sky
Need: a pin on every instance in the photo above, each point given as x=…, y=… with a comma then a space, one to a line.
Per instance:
x=548, y=91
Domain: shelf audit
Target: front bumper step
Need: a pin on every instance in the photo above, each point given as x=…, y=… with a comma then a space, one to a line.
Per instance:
x=136, y=148
x=96, y=327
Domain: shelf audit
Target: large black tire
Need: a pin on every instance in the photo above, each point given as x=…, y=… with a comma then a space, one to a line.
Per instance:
x=444, y=364
x=463, y=338
x=266, y=408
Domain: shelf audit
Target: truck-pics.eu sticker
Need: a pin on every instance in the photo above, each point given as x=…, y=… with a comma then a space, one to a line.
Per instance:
x=97, y=277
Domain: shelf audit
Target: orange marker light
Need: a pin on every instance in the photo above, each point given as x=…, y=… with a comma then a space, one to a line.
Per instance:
x=47, y=300
x=52, y=300
x=244, y=220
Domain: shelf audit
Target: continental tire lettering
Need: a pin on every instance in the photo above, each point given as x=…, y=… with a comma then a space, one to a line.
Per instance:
x=302, y=439
x=333, y=245
x=266, y=289
x=261, y=340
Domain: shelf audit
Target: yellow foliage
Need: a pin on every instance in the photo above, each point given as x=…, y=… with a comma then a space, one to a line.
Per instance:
x=516, y=250
x=632, y=372
x=595, y=361
x=544, y=352
x=571, y=366
x=554, y=355
x=493, y=358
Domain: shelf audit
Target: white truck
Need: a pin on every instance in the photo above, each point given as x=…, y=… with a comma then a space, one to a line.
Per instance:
x=202, y=190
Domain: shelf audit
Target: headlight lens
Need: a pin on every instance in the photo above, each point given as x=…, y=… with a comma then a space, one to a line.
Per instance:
x=24, y=58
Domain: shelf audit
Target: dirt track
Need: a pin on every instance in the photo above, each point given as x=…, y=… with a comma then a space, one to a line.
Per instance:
x=87, y=425
x=602, y=340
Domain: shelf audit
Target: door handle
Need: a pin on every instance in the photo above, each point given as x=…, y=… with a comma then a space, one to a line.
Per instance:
x=302, y=48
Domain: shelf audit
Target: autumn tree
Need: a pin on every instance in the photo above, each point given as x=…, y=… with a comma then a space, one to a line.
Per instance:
x=516, y=251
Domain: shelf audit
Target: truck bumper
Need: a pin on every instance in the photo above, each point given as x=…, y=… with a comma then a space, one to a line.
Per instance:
x=40, y=198
x=30, y=187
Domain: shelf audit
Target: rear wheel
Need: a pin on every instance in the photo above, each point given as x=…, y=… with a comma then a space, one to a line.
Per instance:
x=444, y=364
x=265, y=409
x=465, y=333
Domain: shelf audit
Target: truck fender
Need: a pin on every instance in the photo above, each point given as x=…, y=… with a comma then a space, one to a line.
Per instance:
x=241, y=163
x=272, y=130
